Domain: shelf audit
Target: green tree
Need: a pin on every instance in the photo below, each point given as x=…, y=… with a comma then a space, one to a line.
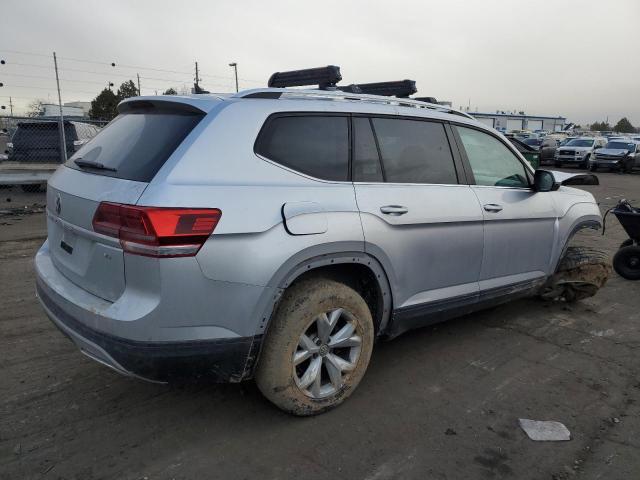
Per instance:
x=624, y=126
x=103, y=107
x=127, y=89
x=170, y=91
x=600, y=127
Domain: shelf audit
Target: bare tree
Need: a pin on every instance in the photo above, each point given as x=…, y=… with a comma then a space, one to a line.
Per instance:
x=35, y=108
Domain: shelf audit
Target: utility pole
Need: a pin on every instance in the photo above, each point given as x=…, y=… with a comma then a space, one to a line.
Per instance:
x=138, y=84
x=63, y=143
x=11, y=106
x=235, y=69
x=197, y=77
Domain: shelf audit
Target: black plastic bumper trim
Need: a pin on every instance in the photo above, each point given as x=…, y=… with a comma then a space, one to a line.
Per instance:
x=219, y=360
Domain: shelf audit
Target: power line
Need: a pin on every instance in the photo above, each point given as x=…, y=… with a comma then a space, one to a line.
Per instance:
x=47, y=88
x=112, y=74
x=118, y=65
x=114, y=64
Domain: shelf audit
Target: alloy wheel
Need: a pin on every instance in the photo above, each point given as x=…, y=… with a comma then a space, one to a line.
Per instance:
x=327, y=351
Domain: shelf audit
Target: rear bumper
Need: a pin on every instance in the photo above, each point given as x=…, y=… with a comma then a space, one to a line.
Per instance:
x=139, y=346
x=221, y=360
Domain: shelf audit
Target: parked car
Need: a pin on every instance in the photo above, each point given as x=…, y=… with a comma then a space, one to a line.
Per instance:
x=621, y=155
x=565, y=140
x=278, y=232
x=530, y=153
x=4, y=140
x=579, y=151
x=545, y=146
x=39, y=140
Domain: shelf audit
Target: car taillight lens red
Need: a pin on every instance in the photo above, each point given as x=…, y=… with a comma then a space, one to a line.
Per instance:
x=156, y=231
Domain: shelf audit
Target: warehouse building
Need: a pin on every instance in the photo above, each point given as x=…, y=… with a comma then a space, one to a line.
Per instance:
x=507, y=122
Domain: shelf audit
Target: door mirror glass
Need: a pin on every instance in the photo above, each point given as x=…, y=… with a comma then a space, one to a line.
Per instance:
x=544, y=181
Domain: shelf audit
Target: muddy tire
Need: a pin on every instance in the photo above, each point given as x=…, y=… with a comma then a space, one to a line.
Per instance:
x=580, y=274
x=626, y=262
x=317, y=348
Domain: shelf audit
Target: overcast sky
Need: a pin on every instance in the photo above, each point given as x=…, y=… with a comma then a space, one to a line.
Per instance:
x=576, y=58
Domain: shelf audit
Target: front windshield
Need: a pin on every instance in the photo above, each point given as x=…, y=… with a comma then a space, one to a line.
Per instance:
x=532, y=141
x=579, y=143
x=621, y=146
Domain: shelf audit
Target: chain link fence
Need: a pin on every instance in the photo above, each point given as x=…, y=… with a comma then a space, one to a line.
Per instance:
x=31, y=148
x=38, y=140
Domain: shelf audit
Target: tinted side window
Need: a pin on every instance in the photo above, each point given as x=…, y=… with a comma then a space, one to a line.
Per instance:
x=491, y=161
x=414, y=151
x=366, y=161
x=314, y=145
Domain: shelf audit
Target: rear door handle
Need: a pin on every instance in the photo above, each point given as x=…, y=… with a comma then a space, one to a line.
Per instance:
x=394, y=210
x=493, y=207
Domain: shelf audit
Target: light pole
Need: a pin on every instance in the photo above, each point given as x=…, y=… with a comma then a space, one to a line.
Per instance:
x=235, y=70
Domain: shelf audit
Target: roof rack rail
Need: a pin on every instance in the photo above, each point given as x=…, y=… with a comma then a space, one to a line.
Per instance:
x=325, y=77
x=339, y=95
x=399, y=88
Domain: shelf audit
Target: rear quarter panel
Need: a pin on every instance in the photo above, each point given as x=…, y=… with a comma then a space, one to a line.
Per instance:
x=220, y=169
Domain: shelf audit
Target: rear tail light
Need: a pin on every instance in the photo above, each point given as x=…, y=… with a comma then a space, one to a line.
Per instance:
x=156, y=231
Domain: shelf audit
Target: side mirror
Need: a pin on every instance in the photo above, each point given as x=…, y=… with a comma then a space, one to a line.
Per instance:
x=544, y=181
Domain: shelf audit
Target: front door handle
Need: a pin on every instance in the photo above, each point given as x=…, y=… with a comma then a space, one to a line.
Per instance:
x=394, y=210
x=493, y=207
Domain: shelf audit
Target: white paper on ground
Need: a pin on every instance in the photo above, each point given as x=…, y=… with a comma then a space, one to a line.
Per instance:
x=545, y=431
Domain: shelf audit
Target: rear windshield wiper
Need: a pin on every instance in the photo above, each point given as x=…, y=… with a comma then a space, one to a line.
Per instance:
x=96, y=165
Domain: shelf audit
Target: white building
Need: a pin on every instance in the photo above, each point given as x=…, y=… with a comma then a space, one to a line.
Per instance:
x=85, y=106
x=506, y=122
x=53, y=110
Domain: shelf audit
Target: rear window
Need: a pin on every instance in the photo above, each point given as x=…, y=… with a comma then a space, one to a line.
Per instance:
x=414, y=151
x=136, y=144
x=315, y=145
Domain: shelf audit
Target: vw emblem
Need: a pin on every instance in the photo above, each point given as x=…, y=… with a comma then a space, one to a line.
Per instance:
x=58, y=204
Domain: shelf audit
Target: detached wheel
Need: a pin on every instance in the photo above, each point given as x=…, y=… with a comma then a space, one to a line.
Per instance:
x=317, y=348
x=580, y=274
x=626, y=262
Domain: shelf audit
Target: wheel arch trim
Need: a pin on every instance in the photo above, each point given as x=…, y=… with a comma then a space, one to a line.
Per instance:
x=287, y=274
x=593, y=222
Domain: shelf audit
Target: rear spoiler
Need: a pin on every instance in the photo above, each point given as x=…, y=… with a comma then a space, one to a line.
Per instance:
x=158, y=106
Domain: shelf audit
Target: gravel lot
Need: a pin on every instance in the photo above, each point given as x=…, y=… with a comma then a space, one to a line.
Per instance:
x=437, y=403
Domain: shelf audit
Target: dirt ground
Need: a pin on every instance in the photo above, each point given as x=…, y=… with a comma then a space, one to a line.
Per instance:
x=438, y=403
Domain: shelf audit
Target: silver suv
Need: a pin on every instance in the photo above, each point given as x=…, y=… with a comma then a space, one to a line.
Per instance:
x=277, y=233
